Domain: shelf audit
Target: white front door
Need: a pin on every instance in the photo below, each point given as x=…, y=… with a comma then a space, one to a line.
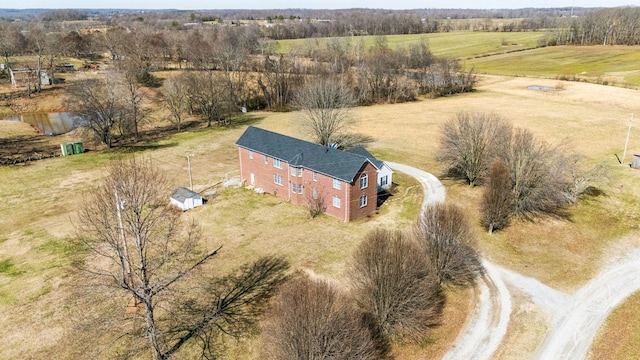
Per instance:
x=253, y=179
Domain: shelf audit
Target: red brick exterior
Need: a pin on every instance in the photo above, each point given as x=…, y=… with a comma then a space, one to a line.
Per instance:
x=253, y=166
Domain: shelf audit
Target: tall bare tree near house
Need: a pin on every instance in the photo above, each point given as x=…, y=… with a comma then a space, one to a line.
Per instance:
x=325, y=105
x=176, y=98
x=315, y=200
x=394, y=285
x=497, y=199
x=137, y=246
x=448, y=241
x=470, y=142
x=311, y=319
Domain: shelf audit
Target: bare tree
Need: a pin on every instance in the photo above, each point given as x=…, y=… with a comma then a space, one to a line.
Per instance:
x=206, y=96
x=97, y=103
x=131, y=90
x=497, y=200
x=315, y=200
x=395, y=286
x=311, y=319
x=279, y=79
x=325, y=105
x=540, y=177
x=137, y=246
x=176, y=98
x=447, y=240
x=470, y=143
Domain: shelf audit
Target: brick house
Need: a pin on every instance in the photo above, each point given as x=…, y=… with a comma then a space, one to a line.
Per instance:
x=346, y=182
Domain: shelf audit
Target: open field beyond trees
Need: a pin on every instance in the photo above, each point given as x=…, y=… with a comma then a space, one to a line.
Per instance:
x=40, y=200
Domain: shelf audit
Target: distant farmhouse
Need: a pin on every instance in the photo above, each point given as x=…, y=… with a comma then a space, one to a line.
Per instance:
x=347, y=182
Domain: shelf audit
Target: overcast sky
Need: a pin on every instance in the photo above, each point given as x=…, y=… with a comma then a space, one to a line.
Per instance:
x=325, y=4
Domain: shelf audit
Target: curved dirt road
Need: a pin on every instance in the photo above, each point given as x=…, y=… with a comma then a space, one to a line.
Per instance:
x=576, y=318
x=487, y=325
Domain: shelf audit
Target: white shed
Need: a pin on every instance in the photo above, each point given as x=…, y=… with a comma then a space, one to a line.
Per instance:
x=185, y=199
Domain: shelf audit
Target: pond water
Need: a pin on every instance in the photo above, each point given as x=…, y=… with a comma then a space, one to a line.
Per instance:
x=55, y=123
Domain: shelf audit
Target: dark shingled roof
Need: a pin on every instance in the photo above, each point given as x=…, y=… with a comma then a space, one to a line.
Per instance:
x=343, y=165
x=181, y=194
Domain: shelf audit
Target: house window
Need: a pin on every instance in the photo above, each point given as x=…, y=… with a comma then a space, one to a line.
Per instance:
x=293, y=171
x=315, y=176
x=266, y=159
x=277, y=163
x=277, y=179
x=336, y=202
x=294, y=188
x=364, y=180
x=299, y=172
x=299, y=188
x=250, y=154
x=363, y=200
x=336, y=184
x=315, y=194
x=384, y=181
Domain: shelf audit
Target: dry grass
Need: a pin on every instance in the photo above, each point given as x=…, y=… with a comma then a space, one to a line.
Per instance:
x=39, y=202
x=619, y=338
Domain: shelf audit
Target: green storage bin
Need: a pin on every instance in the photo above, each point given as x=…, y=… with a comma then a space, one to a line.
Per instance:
x=66, y=149
x=77, y=148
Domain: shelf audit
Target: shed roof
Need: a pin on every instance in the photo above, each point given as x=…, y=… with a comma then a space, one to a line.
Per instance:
x=343, y=165
x=181, y=194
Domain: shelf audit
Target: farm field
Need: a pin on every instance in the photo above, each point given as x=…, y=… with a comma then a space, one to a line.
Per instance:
x=39, y=203
x=456, y=44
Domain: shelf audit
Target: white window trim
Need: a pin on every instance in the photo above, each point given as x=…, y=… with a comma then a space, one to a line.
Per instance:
x=364, y=177
x=315, y=176
x=299, y=172
x=336, y=200
x=336, y=184
x=277, y=163
x=266, y=159
x=275, y=179
x=250, y=154
x=366, y=201
x=300, y=189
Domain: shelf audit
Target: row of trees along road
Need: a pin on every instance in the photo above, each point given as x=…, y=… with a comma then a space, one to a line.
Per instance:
x=396, y=293
x=524, y=176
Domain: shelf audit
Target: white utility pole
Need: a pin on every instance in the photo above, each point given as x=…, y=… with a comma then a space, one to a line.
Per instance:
x=189, y=164
x=624, y=153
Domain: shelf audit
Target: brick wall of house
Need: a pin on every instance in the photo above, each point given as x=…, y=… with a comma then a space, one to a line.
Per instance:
x=371, y=193
x=348, y=194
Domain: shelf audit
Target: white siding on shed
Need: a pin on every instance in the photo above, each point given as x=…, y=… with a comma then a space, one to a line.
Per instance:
x=185, y=199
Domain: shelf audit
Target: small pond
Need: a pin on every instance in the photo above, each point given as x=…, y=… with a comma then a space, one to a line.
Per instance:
x=55, y=123
x=543, y=88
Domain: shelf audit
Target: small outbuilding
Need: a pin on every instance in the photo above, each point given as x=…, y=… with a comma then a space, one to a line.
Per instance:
x=185, y=199
x=636, y=161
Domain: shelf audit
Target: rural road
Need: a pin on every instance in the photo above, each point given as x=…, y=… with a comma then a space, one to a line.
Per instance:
x=575, y=318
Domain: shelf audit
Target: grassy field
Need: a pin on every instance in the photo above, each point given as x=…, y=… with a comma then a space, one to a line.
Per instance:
x=612, y=65
x=618, y=339
x=39, y=203
x=458, y=44
x=509, y=53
